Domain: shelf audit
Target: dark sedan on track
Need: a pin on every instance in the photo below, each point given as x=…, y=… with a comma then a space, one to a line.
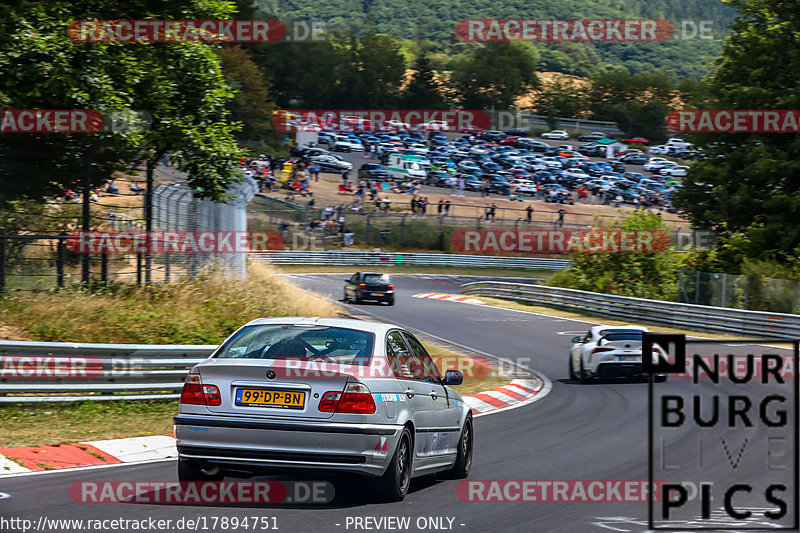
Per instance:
x=373, y=286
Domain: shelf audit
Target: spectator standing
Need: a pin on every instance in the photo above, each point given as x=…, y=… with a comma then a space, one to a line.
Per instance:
x=561, y=212
x=487, y=212
x=529, y=213
x=484, y=188
x=460, y=185
x=446, y=207
x=423, y=205
x=493, y=211
x=440, y=207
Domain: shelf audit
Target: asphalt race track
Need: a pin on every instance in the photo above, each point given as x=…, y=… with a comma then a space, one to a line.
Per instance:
x=577, y=432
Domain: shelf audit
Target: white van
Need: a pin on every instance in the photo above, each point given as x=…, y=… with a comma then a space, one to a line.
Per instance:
x=406, y=167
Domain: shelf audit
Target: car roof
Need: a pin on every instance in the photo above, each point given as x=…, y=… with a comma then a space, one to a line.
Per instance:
x=596, y=329
x=349, y=323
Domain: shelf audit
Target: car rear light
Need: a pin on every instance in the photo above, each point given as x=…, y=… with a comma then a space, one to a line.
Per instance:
x=390, y=287
x=362, y=285
x=195, y=393
x=598, y=350
x=356, y=398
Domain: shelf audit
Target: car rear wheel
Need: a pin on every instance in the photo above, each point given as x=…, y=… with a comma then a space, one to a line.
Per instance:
x=460, y=469
x=395, y=481
x=190, y=471
x=583, y=377
x=390, y=300
x=572, y=375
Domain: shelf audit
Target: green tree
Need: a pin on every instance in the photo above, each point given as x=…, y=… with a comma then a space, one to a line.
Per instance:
x=252, y=105
x=423, y=90
x=180, y=84
x=562, y=96
x=641, y=119
x=641, y=275
x=749, y=183
x=495, y=74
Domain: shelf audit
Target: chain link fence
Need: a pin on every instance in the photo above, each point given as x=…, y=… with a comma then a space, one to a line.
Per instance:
x=47, y=261
x=753, y=291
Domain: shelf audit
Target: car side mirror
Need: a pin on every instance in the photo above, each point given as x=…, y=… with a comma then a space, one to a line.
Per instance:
x=453, y=377
x=575, y=339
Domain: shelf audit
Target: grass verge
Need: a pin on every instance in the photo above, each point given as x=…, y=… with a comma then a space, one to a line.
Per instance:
x=204, y=310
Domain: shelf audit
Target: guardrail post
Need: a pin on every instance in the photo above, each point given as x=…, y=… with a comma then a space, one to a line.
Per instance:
x=60, y=251
x=167, y=266
x=139, y=269
x=104, y=268
x=724, y=292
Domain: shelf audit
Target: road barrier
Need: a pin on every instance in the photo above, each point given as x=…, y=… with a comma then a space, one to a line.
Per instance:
x=681, y=315
x=399, y=258
x=62, y=372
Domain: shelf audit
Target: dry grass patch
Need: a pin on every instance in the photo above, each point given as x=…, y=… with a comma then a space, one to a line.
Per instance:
x=204, y=310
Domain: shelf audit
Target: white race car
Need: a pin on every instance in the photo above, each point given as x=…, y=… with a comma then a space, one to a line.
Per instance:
x=610, y=351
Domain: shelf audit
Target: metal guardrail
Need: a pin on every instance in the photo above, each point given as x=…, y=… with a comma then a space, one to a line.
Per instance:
x=735, y=321
x=400, y=258
x=572, y=123
x=62, y=372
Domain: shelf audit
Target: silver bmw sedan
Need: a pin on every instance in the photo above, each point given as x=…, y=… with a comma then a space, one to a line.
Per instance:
x=284, y=394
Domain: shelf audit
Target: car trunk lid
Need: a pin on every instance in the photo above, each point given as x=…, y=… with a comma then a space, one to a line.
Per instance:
x=275, y=388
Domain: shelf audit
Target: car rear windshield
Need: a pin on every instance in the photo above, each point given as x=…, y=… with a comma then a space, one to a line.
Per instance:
x=307, y=343
x=376, y=279
x=622, y=335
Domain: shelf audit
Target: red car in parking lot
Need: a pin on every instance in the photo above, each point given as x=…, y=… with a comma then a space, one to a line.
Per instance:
x=636, y=140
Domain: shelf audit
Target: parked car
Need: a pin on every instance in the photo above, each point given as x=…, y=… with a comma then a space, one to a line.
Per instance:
x=555, y=134
x=372, y=171
x=678, y=171
x=531, y=144
x=438, y=178
x=634, y=159
x=331, y=163
x=260, y=404
x=636, y=140
x=594, y=136
x=517, y=132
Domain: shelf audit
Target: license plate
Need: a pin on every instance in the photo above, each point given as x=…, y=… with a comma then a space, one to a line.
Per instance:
x=627, y=358
x=282, y=399
x=377, y=294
